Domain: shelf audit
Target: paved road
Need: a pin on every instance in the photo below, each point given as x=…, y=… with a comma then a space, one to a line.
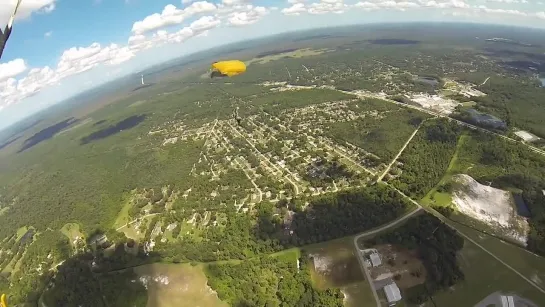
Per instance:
x=374, y=231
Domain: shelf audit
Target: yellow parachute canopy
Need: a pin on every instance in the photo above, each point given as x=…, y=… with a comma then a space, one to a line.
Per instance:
x=3, y=302
x=229, y=68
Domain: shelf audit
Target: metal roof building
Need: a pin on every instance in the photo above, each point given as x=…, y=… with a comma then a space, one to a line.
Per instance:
x=393, y=295
x=375, y=259
x=507, y=301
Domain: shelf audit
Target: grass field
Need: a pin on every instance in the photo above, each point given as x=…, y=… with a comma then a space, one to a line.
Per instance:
x=123, y=216
x=530, y=265
x=187, y=286
x=483, y=276
x=71, y=231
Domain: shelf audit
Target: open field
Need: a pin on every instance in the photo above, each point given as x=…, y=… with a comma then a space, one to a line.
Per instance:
x=173, y=285
x=524, y=261
x=483, y=276
x=335, y=265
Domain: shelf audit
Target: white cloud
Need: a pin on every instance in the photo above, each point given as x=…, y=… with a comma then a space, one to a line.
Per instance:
x=234, y=2
x=171, y=16
x=321, y=7
x=485, y=9
x=509, y=1
x=25, y=9
x=204, y=23
x=48, y=34
x=295, y=9
x=327, y=6
x=12, y=69
x=540, y=15
x=250, y=16
x=72, y=61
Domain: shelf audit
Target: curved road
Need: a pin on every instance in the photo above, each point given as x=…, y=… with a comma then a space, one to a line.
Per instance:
x=374, y=231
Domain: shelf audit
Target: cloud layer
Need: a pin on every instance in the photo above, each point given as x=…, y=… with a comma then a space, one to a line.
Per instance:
x=178, y=23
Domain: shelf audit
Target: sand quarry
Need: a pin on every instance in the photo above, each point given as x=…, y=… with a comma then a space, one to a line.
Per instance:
x=495, y=207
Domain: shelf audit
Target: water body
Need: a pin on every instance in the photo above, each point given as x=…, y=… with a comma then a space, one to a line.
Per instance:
x=428, y=80
x=127, y=123
x=522, y=208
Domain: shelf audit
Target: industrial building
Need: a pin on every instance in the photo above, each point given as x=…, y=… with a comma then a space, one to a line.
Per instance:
x=375, y=259
x=507, y=301
x=393, y=295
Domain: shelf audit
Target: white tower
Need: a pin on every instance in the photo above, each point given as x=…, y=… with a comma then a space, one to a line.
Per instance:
x=142, y=79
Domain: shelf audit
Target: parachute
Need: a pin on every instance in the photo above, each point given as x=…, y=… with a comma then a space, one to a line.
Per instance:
x=4, y=35
x=227, y=68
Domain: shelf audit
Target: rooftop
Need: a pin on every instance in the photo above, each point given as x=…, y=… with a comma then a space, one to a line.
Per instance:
x=392, y=293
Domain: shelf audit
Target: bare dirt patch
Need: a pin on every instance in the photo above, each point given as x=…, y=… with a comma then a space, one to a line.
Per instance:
x=400, y=265
x=177, y=285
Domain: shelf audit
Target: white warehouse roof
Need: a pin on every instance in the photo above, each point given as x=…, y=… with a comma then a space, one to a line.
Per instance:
x=375, y=259
x=392, y=293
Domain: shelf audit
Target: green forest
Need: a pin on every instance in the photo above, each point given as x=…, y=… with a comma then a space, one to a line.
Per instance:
x=269, y=281
x=326, y=217
x=427, y=157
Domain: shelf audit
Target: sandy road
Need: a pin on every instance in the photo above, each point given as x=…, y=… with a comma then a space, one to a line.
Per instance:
x=398, y=154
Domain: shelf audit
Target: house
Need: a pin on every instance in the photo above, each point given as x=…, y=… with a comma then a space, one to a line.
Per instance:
x=375, y=259
x=393, y=295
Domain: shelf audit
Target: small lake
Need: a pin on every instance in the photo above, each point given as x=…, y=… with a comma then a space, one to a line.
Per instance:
x=522, y=208
x=428, y=80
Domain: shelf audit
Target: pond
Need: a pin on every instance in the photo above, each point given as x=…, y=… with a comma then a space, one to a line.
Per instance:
x=428, y=80
x=522, y=208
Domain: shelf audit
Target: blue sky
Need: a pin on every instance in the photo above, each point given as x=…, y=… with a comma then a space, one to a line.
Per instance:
x=61, y=47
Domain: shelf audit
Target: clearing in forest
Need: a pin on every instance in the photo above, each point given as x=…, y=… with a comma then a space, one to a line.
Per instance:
x=492, y=206
x=72, y=231
x=400, y=265
x=177, y=285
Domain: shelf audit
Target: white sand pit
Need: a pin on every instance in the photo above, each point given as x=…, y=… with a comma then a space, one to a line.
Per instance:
x=490, y=205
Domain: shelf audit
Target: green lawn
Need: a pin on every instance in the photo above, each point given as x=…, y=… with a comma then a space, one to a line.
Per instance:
x=123, y=216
